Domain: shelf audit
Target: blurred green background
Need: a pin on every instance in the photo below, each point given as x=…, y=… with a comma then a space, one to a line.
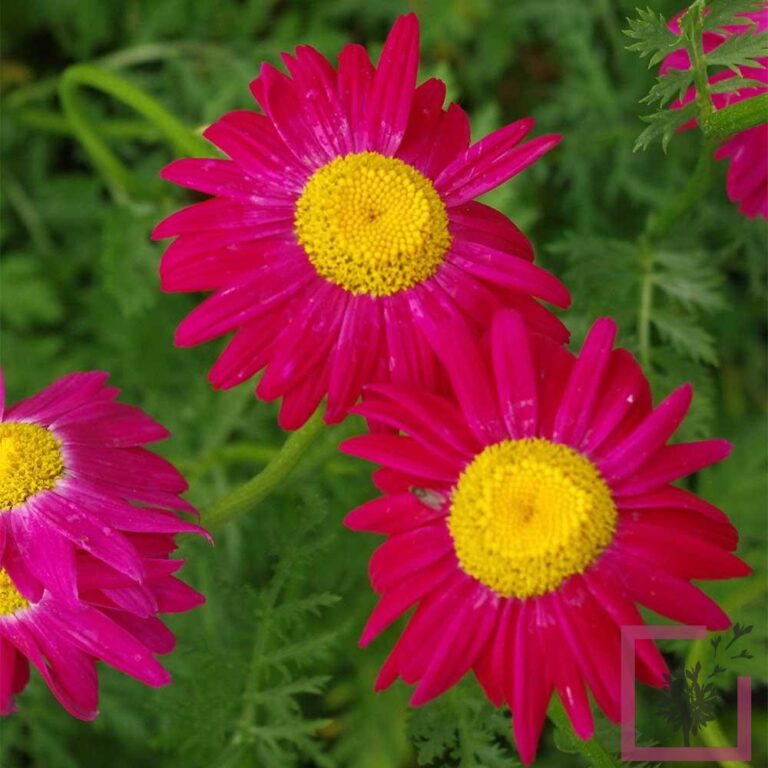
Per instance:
x=268, y=673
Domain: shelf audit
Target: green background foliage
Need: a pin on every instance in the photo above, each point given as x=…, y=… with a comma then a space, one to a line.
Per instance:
x=268, y=673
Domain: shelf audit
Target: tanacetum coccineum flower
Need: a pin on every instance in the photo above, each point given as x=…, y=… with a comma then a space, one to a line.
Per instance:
x=527, y=515
x=747, y=180
x=74, y=473
x=344, y=220
x=114, y=621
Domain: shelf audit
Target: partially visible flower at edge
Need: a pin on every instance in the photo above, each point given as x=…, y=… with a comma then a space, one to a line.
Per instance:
x=113, y=621
x=344, y=221
x=88, y=518
x=74, y=474
x=747, y=180
x=526, y=516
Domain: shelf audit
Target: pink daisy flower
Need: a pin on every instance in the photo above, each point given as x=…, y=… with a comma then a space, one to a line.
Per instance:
x=344, y=220
x=747, y=179
x=72, y=464
x=526, y=516
x=114, y=621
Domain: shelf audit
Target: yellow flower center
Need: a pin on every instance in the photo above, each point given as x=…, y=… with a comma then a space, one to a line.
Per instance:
x=30, y=461
x=527, y=514
x=10, y=599
x=372, y=224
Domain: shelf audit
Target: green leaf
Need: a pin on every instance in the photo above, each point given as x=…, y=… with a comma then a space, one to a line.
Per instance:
x=724, y=12
x=739, y=51
x=731, y=84
x=28, y=298
x=653, y=38
x=663, y=125
x=684, y=335
x=462, y=726
x=689, y=278
x=672, y=85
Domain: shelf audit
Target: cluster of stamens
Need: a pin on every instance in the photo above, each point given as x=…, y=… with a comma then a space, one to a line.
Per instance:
x=527, y=514
x=30, y=461
x=372, y=224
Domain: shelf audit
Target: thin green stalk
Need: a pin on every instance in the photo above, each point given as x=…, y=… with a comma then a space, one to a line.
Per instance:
x=692, y=25
x=463, y=729
x=117, y=177
x=592, y=750
x=243, y=499
x=645, y=309
x=724, y=123
x=253, y=678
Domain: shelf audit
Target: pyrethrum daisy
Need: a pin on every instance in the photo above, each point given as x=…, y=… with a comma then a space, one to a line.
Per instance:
x=344, y=220
x=526, y=516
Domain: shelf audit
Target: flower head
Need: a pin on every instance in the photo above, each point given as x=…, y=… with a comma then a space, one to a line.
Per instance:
x=747, y=181
x=527, y=514
x=344, y=220
x=75, y=475
x=113, y=621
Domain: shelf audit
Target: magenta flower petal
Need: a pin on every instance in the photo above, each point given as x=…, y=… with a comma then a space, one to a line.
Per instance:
x=515, y=375
x=584, y=384
x=649, y=436
x=533, y=684
x=389, y=102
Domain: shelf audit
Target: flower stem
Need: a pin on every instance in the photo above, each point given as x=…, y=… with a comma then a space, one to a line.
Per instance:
x=116, y=175
x=692, y=25
x=645, y=309
x=593, y=750
x=241, y=500
x=724, y=123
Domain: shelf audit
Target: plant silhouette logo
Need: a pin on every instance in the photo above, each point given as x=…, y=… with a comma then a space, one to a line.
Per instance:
x=690, y=697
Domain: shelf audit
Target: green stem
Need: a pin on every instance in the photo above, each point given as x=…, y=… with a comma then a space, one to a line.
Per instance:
x=115, y=174
x=244, y=725
x=592, y=750
x=692, y=26
x=724, y=123
x=645, y=309
x=244, y=498
x=464, y=730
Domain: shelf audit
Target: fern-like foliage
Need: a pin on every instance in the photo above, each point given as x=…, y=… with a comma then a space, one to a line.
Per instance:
x=462, y=728
x=654, y=40
x=271, y=661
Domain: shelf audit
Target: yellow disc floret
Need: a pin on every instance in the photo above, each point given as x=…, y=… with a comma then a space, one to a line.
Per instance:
x=527, y=514
x=10, y=598
x=372, y=224
x=30, y=461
